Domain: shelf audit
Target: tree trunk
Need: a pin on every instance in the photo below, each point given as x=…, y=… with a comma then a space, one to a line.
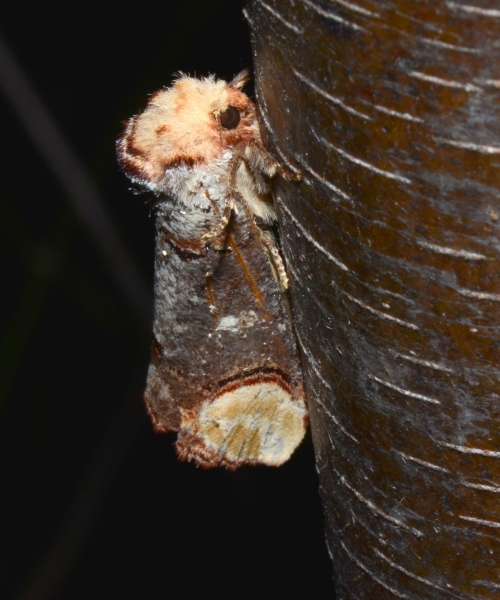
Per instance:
x=391, y=110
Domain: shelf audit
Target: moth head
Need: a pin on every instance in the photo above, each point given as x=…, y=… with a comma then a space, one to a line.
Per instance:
x=192, y=123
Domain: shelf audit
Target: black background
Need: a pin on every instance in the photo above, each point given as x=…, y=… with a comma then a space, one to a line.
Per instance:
x=95, y=505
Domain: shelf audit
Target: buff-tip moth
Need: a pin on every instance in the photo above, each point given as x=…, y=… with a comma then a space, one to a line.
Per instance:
x=224, y=371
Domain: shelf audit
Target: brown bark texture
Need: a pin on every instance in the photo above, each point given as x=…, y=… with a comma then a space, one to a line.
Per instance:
x=391, y=110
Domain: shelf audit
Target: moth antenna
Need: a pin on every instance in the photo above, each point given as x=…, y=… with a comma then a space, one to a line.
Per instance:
x=241, y=79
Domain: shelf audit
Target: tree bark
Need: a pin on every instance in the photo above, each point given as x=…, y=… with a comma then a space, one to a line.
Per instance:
x=391, y=110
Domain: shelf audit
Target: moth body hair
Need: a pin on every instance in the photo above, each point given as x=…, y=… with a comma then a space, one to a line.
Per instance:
x=186, y=140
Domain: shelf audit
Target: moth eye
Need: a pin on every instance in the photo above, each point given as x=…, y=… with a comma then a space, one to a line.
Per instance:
x=230, y=118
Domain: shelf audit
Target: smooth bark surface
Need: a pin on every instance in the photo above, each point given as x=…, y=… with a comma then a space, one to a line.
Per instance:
x=392, y=112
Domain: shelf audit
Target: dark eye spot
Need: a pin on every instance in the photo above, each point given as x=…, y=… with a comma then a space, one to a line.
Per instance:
x=230, y=118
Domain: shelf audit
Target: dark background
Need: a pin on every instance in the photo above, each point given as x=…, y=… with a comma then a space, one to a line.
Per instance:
x=95, y=505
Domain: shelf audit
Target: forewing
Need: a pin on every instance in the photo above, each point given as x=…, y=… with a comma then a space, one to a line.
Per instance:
x=224, y=369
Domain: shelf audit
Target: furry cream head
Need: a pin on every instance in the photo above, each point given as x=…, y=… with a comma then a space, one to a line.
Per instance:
x=191, y=123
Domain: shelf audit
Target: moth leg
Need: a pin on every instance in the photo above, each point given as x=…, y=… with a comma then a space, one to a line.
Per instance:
x=259, y=158
x=230, y=203
x=265, y=239
x=222, y=224
x=277, y=260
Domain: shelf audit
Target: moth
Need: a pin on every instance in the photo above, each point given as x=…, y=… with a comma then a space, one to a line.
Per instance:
x=224, y=370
